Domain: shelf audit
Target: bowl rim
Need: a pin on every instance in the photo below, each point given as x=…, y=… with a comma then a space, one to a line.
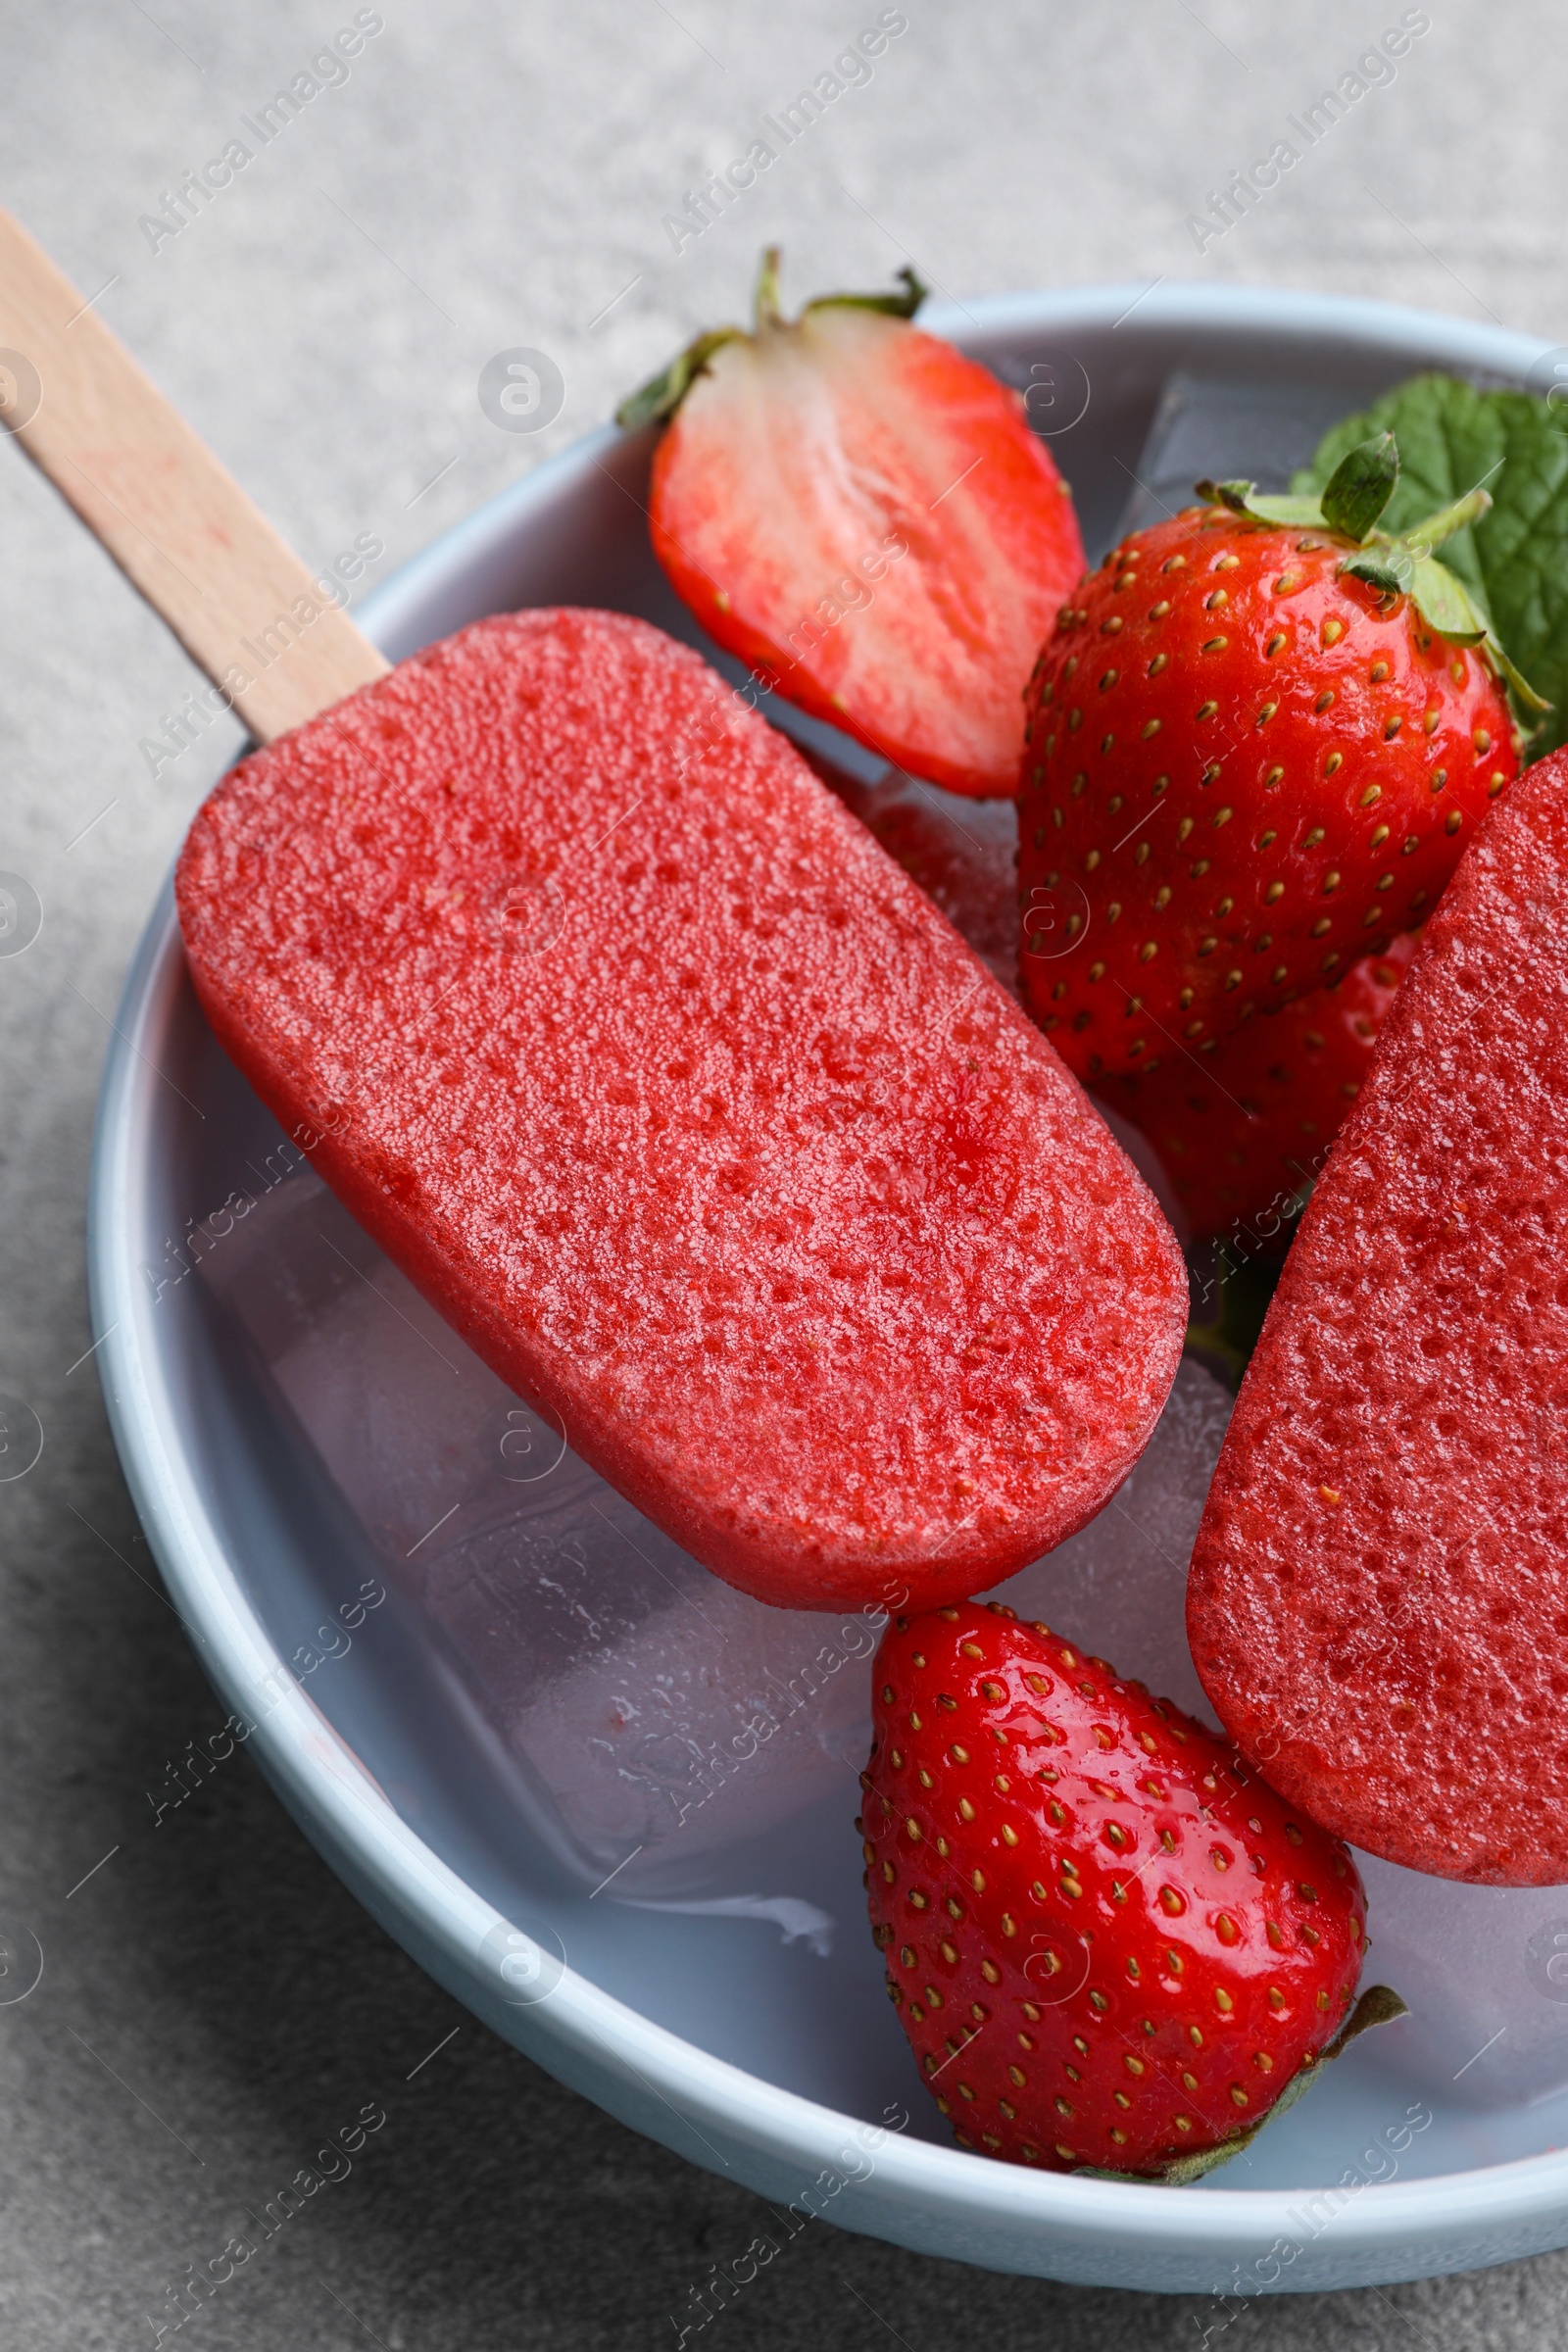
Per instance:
x=405, y=1883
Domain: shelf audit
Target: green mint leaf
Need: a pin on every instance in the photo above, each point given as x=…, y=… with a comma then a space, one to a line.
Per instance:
x=1515, y=559
x=1362, y=486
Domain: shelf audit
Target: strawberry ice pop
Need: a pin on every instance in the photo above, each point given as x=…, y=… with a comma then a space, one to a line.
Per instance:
x=687, y=1110
x=635, y=1051
x=1375, y=1603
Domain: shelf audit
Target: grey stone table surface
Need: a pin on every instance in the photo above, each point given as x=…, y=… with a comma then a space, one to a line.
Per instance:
x=485, y=177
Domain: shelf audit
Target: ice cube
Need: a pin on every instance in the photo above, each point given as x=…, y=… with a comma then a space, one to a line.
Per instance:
x=659, y=1713
x=715, y=1718
x=1209, y=426
x=1118, y=1587
x=1484, y=1971
x=646, y=1697
x=665, y=1718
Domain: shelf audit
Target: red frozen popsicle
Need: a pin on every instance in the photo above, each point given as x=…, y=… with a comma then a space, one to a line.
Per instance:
x=635, y=1051
x=690, y=1112
x=1377, y=1602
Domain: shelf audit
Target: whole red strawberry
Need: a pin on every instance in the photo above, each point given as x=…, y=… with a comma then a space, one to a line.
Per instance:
x=865, y=517
x=1253, y=754
x=1110, y=1945
x=1243, y=1125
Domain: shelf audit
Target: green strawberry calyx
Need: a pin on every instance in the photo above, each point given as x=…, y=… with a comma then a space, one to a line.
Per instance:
x=1240, y=1288
x=1404, y=564
x=1379, y=2006
x=663, y=393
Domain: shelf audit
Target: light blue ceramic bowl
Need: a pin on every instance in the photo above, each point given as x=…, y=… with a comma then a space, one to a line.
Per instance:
x=755, y=2058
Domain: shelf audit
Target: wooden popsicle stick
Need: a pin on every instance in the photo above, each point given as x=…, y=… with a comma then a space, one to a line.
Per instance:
x=240, y=600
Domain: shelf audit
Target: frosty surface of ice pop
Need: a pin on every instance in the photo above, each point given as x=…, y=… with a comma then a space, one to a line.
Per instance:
x=1376, y=1604
x=687, y=1110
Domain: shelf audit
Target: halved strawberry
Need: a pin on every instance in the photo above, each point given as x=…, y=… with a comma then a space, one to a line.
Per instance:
x=1111, y=1947
x=1243, y=1126
x=864, y=516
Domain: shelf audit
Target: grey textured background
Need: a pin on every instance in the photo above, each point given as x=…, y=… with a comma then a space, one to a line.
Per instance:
x=491, y=178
